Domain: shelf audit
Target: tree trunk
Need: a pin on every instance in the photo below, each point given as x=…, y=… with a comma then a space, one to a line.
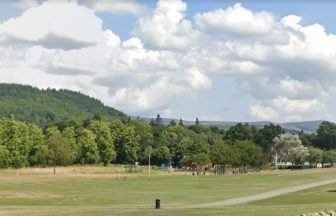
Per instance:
x=54, y=169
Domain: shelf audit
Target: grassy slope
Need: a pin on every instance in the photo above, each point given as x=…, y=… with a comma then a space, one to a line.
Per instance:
x=99, y=192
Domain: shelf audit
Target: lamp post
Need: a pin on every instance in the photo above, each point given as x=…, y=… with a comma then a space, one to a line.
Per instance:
x=276, y=162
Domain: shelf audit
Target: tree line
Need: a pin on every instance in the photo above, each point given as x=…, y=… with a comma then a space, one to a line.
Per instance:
x=94, y=141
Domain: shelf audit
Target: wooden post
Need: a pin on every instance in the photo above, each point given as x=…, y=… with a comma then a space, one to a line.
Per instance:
x=149, y=166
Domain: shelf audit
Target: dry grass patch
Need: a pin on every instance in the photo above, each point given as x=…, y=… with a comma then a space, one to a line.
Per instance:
x=34, y=195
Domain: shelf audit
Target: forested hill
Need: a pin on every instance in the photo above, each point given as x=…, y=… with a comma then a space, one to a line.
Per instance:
x=37, y=106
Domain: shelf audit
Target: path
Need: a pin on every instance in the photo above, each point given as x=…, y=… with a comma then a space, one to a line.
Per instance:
x=260, y=196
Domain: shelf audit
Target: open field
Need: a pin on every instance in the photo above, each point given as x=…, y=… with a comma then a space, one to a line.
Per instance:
x=98, y=191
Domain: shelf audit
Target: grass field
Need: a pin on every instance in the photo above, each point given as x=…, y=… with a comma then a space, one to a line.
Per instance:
x=98, y=191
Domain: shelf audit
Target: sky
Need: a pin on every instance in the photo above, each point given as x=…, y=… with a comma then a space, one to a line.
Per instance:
x=215, y=60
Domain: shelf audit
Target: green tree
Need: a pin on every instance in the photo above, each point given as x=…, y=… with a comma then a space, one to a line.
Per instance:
x=198, y=128
x=104, y=141
x=90, y=152
x=315, y=155
x=183, y=142
x=326, y=136
x=145, y=134
x=15, y=138
x=37, y=140
x=329, y=157
x=4, y=157
x=308, y=139
x=75, y=149
x=247, y=154
x=264, y=138
x=161, y=155
x=241, y=132
x=59, y=150
x=126, y=142
x=52, y=131
x=222, y=153
x=44, y=156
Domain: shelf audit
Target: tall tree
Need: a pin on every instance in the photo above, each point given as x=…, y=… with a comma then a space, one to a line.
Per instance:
x=90, y=152
x=222, y=153
x=37, y=140
x=264, y=138
x=4, y=157
x=197, y=122
x=59, y=150
x=326, y=136
x=241, y=132
x=247, y=154
x=15, y=138
x=315, y=155
x=181, y=122
x=104, y=141
x=69, y=134
x=308, y=139
x=289, y=148
x=161, y=155
x=329, y=157
x=126, y=142
x=144, y=131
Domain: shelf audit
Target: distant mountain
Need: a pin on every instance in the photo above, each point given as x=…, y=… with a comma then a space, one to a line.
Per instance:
x=293, y=127
x=38, y=106
x=307, y=126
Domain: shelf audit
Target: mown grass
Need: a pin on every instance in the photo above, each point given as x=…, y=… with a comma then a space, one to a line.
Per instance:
x=98, y=191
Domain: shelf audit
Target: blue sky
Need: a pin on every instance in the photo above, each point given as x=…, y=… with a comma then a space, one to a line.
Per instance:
x=311, y=11
x=216, y=60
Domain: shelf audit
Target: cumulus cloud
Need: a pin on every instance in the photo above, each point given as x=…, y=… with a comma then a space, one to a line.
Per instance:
x=297, y=106
x=197, y=80
x=287, y=68
x=54, y=24
x=235, y=21
x=263, y=113
x=166, y=27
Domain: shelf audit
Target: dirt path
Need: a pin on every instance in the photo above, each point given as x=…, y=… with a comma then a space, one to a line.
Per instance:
x=260, y=196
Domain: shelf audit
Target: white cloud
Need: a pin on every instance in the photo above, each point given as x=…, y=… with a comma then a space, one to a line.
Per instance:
x=236, y=21
x=263, y=113
x=116, y=6
x=297, y=106
x=287, y=67
x=197, y=80
x=46, y=26
x=166, y=27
